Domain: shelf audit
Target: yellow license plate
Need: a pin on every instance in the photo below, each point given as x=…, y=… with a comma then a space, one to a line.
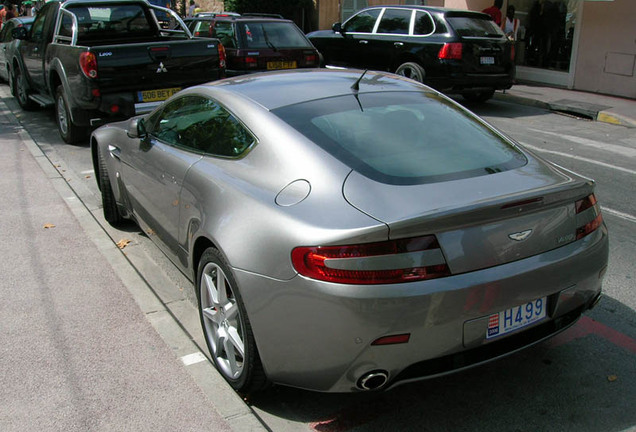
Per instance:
x=156, y=95
x=281, y=65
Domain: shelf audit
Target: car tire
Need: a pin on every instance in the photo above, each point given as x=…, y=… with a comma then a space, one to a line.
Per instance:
x=69, y=131
x=21, y=91
x=226, y=327
x=109, y=204
x=411, y=70
x=478, y=96
x=11, y=80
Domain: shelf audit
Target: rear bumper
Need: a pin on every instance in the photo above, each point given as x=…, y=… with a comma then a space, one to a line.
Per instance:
x=474, y=82
x=317, y=335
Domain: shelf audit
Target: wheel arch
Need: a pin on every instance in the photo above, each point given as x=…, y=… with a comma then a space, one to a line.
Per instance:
x=406, y=58
x=198, y=247
x=95, y=159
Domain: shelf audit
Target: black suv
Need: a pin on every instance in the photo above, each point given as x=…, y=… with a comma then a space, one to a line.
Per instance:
x=453, y=51
x=257, y=43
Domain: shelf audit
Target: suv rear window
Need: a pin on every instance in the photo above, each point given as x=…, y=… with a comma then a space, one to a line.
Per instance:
x=474, y=27
x=272, y=35
x=403, y=137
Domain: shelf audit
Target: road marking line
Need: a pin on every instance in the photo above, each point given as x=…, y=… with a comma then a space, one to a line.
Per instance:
x=618, y=214
x=579, y=158
x=586, y=326
x=624, y=151
x=193, y=358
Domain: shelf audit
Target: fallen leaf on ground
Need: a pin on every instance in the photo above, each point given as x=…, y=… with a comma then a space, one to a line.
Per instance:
x=47, y=226
x=88, y=176
x=122, y=243
x=612, y=378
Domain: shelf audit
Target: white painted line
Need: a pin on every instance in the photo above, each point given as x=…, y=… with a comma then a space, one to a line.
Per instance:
x=619, y=214
x=193, y=358
x=613, y=148
x=579, y=158
x=87, y=172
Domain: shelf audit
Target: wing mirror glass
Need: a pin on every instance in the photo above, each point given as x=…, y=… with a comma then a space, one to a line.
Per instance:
x=137, y=128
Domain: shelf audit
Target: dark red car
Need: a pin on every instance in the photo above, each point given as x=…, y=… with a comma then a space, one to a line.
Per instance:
x=257, y=43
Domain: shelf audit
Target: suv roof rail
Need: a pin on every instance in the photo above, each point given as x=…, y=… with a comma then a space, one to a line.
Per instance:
x=263, y=15
x=215, y=14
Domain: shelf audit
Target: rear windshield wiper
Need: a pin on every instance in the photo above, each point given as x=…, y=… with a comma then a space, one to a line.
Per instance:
x=267, y=41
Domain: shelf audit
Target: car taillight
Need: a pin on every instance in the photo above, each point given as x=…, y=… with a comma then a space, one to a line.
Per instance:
x=248, y=61
x=310, y=59
x=451, y=51
x=589, y=217
x=88, y=64
x=222, y=55
x=393, y=261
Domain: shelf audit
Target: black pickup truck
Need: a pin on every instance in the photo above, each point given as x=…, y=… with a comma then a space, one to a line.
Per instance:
x=99, y=61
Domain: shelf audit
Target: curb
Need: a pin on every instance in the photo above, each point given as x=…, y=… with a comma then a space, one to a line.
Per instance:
x=606, y=116
x=229, y=405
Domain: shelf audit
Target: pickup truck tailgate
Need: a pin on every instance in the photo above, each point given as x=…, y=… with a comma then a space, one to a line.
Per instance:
x=158, y=65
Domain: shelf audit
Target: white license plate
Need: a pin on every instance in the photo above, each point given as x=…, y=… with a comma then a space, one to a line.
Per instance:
x=516, y=318
x=487, y=60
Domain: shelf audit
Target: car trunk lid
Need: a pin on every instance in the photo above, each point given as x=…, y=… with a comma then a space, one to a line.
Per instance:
x=482, y=221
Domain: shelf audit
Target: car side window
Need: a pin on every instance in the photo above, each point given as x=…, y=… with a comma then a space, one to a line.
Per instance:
x=395, y=21
x=423, y=24
x=5, y=34
x=201, y=125
x=362, y=22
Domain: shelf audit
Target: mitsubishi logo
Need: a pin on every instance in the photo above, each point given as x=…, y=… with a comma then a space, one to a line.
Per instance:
x=161, y=68
x=520, y=236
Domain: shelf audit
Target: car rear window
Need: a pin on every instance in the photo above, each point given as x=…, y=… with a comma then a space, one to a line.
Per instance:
x=272, y=35
x=474, y=26
x=403, y=137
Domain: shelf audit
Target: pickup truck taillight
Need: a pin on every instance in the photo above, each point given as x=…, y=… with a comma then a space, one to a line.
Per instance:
x=222, y=55
x=88, y=64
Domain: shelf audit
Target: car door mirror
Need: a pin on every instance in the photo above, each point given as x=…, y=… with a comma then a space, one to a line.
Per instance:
x=20, y=33
x=137, y=128
x=337, y=28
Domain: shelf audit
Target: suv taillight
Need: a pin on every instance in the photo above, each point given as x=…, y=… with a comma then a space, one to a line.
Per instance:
x=451, y=51
x=88, y=64
x=393, y=261
x=590, y=220
x=311, y=59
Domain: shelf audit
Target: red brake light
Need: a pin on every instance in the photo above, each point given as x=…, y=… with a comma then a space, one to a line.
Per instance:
x=88, y=64
x=581, y=206
x=310, y=59
x=392, y=261
x=451, y=51
x=222, y=55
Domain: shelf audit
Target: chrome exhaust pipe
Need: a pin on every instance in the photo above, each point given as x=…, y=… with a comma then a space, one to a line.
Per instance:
x=595, y=301
x=373, y=380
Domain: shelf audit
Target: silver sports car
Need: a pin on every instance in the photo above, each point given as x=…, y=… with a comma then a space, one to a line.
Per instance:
x=350, y=231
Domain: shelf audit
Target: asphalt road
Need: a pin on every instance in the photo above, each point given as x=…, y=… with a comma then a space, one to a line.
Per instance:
x=582, y=380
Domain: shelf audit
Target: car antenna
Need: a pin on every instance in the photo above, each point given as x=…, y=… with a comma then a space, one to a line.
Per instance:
x=356, y=85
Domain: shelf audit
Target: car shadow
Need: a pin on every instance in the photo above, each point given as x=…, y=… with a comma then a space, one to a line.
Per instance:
x=581, y=380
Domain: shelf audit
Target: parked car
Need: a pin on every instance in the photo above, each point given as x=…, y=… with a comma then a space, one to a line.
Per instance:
x=6, y=37
x=99, y=61
x=349, y=231
x=453, y=51
x=257, y=43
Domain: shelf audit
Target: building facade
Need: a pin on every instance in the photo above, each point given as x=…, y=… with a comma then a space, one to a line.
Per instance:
x=587, y=45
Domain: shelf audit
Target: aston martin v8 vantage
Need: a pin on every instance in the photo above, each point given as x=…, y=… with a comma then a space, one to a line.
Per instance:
x=349, y=231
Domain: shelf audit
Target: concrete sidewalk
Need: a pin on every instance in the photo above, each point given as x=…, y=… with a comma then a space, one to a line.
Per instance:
x=595, y=106
x=80, y=350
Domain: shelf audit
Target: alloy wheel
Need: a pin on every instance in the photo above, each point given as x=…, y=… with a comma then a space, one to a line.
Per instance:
x=222, y=320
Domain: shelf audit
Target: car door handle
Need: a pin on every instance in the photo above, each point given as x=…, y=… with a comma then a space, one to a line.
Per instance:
x=364, y=42
x=398, y=44
x=115, y=151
